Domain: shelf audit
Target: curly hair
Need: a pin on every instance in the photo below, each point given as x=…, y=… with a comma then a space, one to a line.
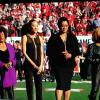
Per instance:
x=2, y=29
x=61, y=20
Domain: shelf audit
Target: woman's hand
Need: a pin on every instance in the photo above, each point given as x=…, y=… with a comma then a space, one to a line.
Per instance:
x=67, y=55
x=7, y=65
x=40, y=70
x=10, y=63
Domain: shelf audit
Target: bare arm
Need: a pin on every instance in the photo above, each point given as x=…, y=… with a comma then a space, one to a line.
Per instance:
x=24, y=41
x=42, y=51
x=42, y=55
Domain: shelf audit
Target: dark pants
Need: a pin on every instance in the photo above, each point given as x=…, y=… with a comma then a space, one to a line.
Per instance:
x=1, y=89
x=29, y=73
x=9, y=91
x=84, y=69
x=95, y=83
x=19, y=68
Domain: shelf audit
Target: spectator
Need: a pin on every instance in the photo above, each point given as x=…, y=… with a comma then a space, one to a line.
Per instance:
x=27, y=10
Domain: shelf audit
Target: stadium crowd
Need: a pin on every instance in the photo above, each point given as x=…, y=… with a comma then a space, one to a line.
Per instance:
x=82, y=16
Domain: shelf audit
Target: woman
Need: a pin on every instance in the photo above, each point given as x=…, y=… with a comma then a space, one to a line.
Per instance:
x=62, y=49
x=7, y=65
x=93, y=53
x=32, y=45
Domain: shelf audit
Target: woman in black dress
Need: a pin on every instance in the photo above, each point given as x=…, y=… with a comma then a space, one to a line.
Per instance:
x=62, y=49
x=32, y=45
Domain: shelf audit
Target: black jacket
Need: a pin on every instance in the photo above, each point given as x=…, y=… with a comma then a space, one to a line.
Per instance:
x=55, y=47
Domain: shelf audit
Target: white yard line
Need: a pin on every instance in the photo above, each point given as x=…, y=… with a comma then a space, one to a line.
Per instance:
x=72, y=81
x=81, y=81
x=53, y=89
x=73, y=90
x=49, y=89
x=22, y=89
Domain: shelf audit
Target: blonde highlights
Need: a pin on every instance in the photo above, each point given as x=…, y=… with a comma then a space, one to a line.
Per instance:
x=96, y=35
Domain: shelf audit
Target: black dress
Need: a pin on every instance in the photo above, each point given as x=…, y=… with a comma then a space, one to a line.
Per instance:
x=62, y=68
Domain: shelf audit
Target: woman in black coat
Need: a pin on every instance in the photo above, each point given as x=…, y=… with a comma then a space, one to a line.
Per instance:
x=62, y=49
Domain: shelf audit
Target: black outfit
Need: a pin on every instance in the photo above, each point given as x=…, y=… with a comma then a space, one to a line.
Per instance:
x=4, y=57
x=84, y=65
x=33, y=51
x=95, y=70
x=62, y=68
x=18, y=63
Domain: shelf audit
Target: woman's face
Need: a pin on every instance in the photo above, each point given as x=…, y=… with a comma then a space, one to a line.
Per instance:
x=34, y=27
x=2, y=37
x=64, y=27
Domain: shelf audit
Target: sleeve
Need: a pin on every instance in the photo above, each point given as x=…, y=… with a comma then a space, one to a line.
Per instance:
x=12, y=54
x=1, y=64
x=49, y=46
x=76, y=47
x=13, y=58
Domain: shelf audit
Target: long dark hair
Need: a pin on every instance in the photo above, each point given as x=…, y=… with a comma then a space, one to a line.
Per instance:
x=24, y=29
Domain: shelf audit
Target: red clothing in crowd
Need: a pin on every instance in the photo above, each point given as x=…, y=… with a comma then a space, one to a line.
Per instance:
x=71, y=19
x=14, y=13
x=80, y=28
x=45, y=9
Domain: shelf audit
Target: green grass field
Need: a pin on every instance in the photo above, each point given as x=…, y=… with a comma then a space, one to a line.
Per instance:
x=49, y=95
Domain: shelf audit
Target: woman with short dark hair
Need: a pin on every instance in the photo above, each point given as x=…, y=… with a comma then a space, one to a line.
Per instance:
x=7, y=65
x=62, y=49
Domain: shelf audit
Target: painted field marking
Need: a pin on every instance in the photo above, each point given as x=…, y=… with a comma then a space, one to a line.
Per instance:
x=81, y=81
x=73, y=90
x=49, y=89
x=21, y=89
x=72, y=81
